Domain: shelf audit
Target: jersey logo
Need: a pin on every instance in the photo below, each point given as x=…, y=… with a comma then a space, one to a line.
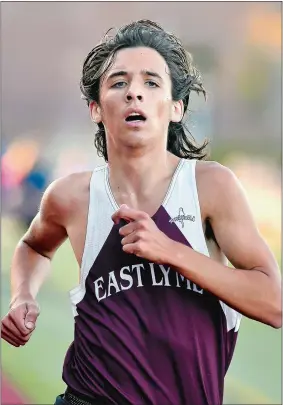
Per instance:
x=182, y=217
x=141, y=275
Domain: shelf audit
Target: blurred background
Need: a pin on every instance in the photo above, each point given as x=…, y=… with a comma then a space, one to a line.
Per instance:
x=47, y=133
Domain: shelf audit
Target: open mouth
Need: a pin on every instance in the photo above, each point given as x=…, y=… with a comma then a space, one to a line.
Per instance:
x=134, y=117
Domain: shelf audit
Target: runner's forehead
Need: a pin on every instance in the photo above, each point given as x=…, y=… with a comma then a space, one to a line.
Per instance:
x=138, y=61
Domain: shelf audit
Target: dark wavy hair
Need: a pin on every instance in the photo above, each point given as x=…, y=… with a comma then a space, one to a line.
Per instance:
x=184, y=76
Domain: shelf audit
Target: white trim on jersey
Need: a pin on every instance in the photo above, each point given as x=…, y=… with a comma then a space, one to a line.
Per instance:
x=99, y=225
x=182, y=204
x=192, y=226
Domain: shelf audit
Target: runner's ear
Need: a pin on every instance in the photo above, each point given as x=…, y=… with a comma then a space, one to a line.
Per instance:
x=95, y=112
x=177, y=111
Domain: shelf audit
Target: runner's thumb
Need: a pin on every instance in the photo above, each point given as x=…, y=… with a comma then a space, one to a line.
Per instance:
x=31, y=316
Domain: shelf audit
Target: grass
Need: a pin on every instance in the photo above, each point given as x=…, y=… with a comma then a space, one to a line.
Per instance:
x=253, y=378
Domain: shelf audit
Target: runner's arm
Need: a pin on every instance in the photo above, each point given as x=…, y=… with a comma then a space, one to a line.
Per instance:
x=31, y=261
x=253, y=287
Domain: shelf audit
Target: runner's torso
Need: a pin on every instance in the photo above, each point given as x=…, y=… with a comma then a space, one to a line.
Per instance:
x=143, y=333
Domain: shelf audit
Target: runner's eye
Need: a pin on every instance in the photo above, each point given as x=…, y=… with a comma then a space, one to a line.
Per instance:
x=150, y=83
x=119, y=84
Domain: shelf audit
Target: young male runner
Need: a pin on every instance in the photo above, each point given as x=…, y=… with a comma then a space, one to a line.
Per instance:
x=157, y=310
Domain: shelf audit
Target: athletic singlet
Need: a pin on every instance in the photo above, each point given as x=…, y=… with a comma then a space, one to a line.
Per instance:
x=144, y=334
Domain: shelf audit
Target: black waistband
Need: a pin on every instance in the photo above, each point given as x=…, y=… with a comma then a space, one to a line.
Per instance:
x=74, y=398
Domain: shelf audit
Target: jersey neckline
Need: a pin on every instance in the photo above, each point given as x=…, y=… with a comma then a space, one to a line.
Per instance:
x=165, y=199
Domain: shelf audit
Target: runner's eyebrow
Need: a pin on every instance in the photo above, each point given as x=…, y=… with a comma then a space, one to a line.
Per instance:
x=124, y=73
x=151, y=73
x=115, y=74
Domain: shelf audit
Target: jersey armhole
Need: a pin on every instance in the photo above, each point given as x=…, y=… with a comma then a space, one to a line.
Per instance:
x=77, y=290
x=197, y=204
x=233, y=318
x=89, y=228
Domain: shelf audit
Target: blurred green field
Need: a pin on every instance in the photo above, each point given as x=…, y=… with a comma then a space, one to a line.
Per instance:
x=253, y=378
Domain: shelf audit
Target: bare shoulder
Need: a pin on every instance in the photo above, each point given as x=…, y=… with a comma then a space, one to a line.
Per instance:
x=211, y=171
x=217, y=185
x=61, y=201
x=63, y=195
x=69, y=186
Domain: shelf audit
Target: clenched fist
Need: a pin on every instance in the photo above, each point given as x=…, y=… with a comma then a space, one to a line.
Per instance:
x=18, y=325
x=141, y=236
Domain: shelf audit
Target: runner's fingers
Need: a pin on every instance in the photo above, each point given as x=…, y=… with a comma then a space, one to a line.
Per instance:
x=11, y=326
x=17, y=317
x=132, y=238
x=127, y=229
x=19, y=324
x=14, y=334
x=6, y=333
x=9, y=339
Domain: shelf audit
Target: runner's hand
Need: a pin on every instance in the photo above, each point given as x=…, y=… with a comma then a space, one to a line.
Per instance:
x=19, y=323
x=141, y=236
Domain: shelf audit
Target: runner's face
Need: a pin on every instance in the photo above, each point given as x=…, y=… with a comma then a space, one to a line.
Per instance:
x=137, y=82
